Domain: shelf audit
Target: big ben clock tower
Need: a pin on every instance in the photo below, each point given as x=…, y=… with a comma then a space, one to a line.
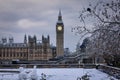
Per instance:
x=59, y=36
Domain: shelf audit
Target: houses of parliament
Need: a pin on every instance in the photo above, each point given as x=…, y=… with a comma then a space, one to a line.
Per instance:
x=30, y=49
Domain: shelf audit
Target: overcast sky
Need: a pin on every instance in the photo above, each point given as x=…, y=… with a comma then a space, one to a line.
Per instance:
x=39, y=17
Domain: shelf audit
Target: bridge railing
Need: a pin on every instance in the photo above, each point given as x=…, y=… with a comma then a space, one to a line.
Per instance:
x=113, y=71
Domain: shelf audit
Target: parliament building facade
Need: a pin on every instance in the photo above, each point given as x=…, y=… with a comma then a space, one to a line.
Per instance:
x=30, y=49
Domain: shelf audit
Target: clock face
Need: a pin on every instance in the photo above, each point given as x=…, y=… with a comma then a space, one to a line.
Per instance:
x=59, y=28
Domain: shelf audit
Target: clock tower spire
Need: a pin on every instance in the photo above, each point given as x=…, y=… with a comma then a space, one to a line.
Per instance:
x=60, y=16
x=60, y=36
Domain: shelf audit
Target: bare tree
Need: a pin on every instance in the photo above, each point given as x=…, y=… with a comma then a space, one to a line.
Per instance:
x=105, y=30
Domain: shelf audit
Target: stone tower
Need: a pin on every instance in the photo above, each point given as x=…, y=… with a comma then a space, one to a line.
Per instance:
x=60, y=36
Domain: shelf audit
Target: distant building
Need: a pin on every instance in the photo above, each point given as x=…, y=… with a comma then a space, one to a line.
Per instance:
x=54, y=54
x=30, y=49
x=66, y=51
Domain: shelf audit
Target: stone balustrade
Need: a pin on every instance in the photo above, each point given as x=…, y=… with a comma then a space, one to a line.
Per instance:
x=113, y=71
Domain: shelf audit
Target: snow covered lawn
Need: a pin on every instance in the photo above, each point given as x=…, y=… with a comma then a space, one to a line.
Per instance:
x=61, y=74
x=72, y=74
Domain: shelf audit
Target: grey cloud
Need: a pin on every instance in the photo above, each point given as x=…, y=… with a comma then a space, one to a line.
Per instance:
x=12, y=11
x=9, y=17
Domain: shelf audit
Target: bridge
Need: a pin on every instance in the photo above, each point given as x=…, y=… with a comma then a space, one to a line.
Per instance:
x=70, y=58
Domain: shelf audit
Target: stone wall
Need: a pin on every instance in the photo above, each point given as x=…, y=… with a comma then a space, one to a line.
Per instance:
x=113, y=71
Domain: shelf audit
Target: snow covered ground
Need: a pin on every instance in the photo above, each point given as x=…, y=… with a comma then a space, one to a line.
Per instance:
x=60, y=74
